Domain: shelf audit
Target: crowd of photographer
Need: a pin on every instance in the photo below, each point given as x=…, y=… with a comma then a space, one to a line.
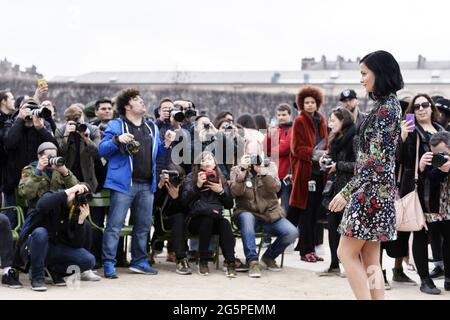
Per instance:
x=207, y=180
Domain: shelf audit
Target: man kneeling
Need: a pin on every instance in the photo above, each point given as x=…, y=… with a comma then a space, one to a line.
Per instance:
x=57, y=233
x=254, y=184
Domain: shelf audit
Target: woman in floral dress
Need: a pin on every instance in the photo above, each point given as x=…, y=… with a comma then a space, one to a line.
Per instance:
x=368, y=199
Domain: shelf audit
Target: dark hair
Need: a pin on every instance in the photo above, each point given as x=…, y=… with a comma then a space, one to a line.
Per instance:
x=388, y=77
x=102, y=100
x=217, y=121
x=347, y=120
x=261, y=123
x=435, y=114
x=312, y=92
x=4, y=95
x=165, y=100
x=246, y=121
x=124, y=98
x=284, y=107
x=439, y=137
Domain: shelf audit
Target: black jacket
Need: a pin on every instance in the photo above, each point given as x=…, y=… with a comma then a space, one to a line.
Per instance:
x=172, y=206
x=6, y=121
x=408, y=152
x=203, y=202
x=343, y=151
x=21, y=144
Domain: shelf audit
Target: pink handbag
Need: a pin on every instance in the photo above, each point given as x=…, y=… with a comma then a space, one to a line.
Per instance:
x=409, y=213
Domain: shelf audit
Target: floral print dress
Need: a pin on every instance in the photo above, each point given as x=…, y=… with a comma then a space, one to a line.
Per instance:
x=370, y=212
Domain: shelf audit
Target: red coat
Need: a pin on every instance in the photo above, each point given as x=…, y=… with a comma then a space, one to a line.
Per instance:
x=277, y=145
x=302, y=145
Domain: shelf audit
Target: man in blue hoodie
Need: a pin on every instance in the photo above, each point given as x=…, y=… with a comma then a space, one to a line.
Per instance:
x=131, y=178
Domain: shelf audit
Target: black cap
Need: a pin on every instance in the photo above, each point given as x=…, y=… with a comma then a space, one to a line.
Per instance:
x=347, y=94
x=443, y=105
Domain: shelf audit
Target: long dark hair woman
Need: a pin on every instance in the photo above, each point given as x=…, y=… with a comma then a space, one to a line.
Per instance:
x=340, y=165
x=206, y=194
x=368, y=199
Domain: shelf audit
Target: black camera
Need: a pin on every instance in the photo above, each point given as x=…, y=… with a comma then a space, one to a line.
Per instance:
x=80, y=127
x=190, y=113
x=174, y=176
x=83, y=198
x=326, y=162
x=257, y=160
x=177, y=114
x=56, y=161
x=38, y=111
x=439, y=159
x=132, y=147
x=207, y=126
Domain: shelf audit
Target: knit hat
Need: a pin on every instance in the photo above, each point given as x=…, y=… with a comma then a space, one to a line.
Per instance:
x=45, y=146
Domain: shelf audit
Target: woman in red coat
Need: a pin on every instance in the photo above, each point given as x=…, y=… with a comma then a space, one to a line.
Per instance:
x=308, y=132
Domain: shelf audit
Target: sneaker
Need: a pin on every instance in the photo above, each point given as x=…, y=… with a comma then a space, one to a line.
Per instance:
x=387, y=286
x=57, y=278
x=143, y=267
x=427, y=286
x=11, y=279
x=254, y=269
x=240, y=266
x=271, y=264
x=171, y=257
x=203, y=269
x=109, y=271
x=89, y=275
x=330, y=272
x=400, y=276
x=447, y=284
x=437, y=273
x=231, y=270
x=183, y=267
x=38, y=285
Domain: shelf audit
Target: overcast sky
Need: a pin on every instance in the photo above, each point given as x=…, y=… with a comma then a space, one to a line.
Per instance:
x=78, y=36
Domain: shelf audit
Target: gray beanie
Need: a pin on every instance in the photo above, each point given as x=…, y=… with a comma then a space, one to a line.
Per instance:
x=46, y=146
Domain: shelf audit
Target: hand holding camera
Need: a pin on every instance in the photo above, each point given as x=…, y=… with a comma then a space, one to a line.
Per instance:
x=441, y=160
x=80, y=194
x=84, y=213
x=201, y=179
x=126, y=138
x=327, y=164
x=425, y=160
x=53, y=162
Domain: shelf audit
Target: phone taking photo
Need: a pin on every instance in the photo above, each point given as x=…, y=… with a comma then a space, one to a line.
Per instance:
x=410, y=119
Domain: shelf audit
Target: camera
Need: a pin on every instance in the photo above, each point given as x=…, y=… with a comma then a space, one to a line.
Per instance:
x=257, y=160
x=38, y=111
x=439, y=159
x=174, y=176
x=211, y=176
x=132, y=147
x=83, y=198
x=56, y=161
x=177, y=114
x=190, y=113
x=207, y=126
x=326, y=162
x=80, y=127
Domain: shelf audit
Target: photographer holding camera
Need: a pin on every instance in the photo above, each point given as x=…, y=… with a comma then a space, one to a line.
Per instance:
x=78, y=142
x=173, y=212
x=254, y=184
x=132, y=146
x=49, y=173
x=188, y=107
x=21, y=141
x=206, y=194
x=54, y=236
x=435, y=168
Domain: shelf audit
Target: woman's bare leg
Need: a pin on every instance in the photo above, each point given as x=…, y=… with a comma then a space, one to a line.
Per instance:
x=370, y=255
x=349, y=254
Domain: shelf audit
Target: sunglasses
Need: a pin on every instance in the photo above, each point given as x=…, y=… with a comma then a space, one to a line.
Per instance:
x=424, y=105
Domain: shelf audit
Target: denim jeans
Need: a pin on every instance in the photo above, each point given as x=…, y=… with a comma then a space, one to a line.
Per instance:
x=284, y=194
x=57, y=257
x=6, y=242
x=140, y=200
x=285, y=232
x=10, y=201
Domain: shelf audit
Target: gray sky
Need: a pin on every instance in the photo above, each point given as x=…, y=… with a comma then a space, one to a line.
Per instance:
x=78, y=36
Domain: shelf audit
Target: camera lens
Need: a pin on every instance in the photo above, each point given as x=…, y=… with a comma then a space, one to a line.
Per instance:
x=56, y=161
x=81, y=127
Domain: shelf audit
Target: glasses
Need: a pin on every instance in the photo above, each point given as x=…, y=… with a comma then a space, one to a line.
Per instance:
x=424, y=105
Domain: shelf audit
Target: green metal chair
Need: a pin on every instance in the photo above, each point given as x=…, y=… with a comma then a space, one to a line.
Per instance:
x=20, y=220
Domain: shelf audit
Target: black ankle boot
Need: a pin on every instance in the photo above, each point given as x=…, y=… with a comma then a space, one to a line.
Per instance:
x=427, y=286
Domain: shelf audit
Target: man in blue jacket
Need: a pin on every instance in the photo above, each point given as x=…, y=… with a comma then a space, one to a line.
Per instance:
x=131, y=178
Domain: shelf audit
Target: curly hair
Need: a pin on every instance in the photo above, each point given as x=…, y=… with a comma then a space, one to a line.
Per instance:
x=313, y=92
x=124, y=98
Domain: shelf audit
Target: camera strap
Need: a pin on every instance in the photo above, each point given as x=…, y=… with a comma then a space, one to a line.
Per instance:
x=71, y=212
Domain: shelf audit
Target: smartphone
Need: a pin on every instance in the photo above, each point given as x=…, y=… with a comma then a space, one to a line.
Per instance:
x=42, y=83
x=410, y=119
